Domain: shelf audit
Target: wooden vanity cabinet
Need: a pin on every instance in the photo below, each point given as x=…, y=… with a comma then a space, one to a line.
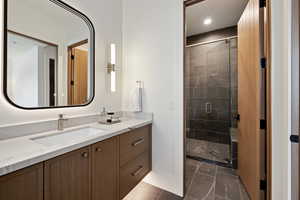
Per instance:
x=105, y=170
x=68, y=177
x=23, y=184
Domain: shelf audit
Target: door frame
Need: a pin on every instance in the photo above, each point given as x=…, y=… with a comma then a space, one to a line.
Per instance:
x=268, y=47
x=71, y=70
x=268, y=53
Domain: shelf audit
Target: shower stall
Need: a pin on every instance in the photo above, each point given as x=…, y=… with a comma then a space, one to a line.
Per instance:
x=211, y=100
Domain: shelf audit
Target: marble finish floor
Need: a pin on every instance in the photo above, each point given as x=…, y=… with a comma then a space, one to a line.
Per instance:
x=210, y=182
x=145, y=191
x=208, y=150
x=203, y=182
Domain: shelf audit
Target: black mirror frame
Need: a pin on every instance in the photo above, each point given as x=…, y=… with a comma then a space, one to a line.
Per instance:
x=92, y=53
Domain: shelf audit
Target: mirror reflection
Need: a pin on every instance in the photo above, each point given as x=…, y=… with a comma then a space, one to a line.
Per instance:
x=49, y=55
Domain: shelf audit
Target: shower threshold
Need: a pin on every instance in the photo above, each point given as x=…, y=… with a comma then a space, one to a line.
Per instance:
x=207, y=151
x=222, y=164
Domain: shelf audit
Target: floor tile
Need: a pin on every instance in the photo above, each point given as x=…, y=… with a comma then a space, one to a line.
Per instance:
x=169, y=196
x=208, y=169
x=201, y=186
x=243, y=193
x=144, y=191
x=226, y=170
x=189, y=198
x=227, y=186
x=219, y=198
x=191, y=167
x=211, y=195
x=207, y=182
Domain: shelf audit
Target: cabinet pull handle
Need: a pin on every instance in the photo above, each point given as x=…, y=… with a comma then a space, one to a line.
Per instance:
x=134, y=144
x=138, y=171
x=98, y=149
x=85, y=154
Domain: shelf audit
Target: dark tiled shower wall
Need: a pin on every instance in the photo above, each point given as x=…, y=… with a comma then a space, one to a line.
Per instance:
x=211, y=76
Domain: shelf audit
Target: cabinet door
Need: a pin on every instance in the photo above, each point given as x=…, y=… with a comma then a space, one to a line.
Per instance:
x=68, y=177
x=23, y=184
x=105, y=170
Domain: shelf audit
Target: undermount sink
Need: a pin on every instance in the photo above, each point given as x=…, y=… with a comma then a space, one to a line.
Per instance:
x=68, y=137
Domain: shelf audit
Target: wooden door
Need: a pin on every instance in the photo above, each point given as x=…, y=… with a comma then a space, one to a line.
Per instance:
x=23, y=184
x=78, y=76
x=249, y=99
x=68, y=177
x=105, y=170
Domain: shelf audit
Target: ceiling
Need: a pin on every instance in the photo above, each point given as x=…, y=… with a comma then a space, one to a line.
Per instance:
x=224, y=13
x=47, y=21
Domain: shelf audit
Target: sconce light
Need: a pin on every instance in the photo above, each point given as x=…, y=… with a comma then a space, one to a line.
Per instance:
x=111, y=68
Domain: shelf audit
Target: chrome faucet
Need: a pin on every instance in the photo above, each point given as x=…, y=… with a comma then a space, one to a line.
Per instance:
x=61, y=120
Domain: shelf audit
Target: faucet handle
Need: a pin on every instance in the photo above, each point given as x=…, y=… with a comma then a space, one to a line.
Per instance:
x=62, y=116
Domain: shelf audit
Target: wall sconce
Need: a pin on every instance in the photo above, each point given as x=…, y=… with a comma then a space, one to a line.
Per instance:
x=111, y=67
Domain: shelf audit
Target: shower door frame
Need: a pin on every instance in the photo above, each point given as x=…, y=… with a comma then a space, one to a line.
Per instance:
x=267, y=50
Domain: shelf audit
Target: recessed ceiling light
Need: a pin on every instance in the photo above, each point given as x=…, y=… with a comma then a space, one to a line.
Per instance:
x=207, y=21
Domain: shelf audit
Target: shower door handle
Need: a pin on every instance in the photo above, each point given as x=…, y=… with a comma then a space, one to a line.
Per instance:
x=208, y=107
x=294, y=138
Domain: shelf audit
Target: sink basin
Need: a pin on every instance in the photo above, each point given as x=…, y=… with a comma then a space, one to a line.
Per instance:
x=68, y=137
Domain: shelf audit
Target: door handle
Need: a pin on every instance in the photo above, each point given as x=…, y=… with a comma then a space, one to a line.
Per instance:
x=294, y=138
x=208, y=107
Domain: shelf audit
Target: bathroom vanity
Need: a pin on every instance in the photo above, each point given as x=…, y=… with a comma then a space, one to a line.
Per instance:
x=106, y=166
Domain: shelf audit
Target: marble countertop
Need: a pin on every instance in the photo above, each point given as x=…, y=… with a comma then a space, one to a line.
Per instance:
x=18, y=153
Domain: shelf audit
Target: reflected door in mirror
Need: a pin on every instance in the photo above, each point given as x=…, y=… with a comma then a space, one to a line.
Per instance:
x=78, y=73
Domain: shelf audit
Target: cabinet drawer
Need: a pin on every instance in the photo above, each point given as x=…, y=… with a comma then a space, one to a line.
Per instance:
x=133, y=172
x=133, y=144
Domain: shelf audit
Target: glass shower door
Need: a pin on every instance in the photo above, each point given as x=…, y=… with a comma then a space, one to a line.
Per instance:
x=208, y=101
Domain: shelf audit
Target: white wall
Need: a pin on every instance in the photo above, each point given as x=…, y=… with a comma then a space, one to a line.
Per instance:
x=153, y=53
x=281, y=99
x=23, y=75
x=106, y=17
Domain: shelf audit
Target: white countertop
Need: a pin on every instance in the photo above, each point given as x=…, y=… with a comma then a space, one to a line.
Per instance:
x=21, y=152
